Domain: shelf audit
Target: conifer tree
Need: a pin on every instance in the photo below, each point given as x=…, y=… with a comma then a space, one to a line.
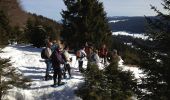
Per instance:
x=110, y=83
x=120, y=84
x=9, y=77
x=156, y=60
x=36, y=33
x=85, y=21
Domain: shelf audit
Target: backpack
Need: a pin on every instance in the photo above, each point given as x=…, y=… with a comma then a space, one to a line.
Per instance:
x=57, y=58
x=43, y=55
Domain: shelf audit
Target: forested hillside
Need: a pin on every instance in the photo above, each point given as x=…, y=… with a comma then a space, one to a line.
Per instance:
x=128, y=24
x=14, y=12
x=14, y=22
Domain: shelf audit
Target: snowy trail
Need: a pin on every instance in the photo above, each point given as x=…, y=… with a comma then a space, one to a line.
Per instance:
x=27, y=60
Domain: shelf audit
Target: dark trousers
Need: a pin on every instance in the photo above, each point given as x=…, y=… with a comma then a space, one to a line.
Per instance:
x=57, y=72
x=67, y=68
x=80, y=66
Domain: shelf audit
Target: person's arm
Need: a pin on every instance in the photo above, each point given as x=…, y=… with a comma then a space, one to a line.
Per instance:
x=84, y=53
x=66, y=54
x=48, y=52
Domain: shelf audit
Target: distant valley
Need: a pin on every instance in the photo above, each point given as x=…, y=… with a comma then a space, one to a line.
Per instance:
x=128, y=24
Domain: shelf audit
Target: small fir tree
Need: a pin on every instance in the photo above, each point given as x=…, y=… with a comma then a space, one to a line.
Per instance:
x=9, y=77
x=110, y=83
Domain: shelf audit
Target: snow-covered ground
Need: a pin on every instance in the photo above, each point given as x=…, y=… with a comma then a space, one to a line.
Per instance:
x=115, y=21
x=28, y=61
x=135, y=35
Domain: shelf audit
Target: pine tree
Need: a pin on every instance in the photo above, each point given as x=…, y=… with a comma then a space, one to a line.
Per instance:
x=39, y=28
x=156, y=60
x=36, y=33
x=120, y=84
x=85, y=21
x=9, y=77
x=110, y=83
x=94, y=86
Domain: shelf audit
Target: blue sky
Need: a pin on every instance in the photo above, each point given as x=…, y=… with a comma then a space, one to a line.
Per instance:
x=52, y=8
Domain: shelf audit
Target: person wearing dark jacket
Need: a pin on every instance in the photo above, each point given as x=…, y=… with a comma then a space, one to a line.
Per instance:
x=56, y=61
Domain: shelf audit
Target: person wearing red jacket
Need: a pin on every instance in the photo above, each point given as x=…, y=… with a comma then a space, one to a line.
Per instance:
x=103, y=53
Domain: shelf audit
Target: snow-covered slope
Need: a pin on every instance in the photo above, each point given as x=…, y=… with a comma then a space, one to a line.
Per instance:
x=115, y=21
x=28, y=61
x=135, y=35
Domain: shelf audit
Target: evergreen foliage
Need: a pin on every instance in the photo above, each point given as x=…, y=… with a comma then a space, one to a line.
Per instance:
x=4, y=28
x=85, y=21
x=131, y=57
x=92, y=89
x=121, y=84
x=110, y=83
x=156, y=60
x=18, y=34
x=9, y=77
x=38, y=29
x=36, y=33
x=129, y=53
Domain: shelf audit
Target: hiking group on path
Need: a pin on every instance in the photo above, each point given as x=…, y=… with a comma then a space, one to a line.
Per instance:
x=56, y=55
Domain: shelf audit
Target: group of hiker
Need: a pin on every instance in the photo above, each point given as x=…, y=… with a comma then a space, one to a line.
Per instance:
x=57, y=57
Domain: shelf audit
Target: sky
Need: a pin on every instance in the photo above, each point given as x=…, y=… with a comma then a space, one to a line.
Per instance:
x=53, y=8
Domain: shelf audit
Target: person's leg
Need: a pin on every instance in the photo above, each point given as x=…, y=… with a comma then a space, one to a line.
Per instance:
x=48, y=69
x=64, y=71
x=55, y=74
x=48, y=65
x=59, y=73
x=68, y=69
x=81, y=66
x=104, y=60
x=51, y=67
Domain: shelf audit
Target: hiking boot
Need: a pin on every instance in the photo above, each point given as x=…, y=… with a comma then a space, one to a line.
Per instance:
x=70, y=77
x=48, y=77
x=62, y=83
x=54, y=85
x=64, y=76
x=81, y=70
